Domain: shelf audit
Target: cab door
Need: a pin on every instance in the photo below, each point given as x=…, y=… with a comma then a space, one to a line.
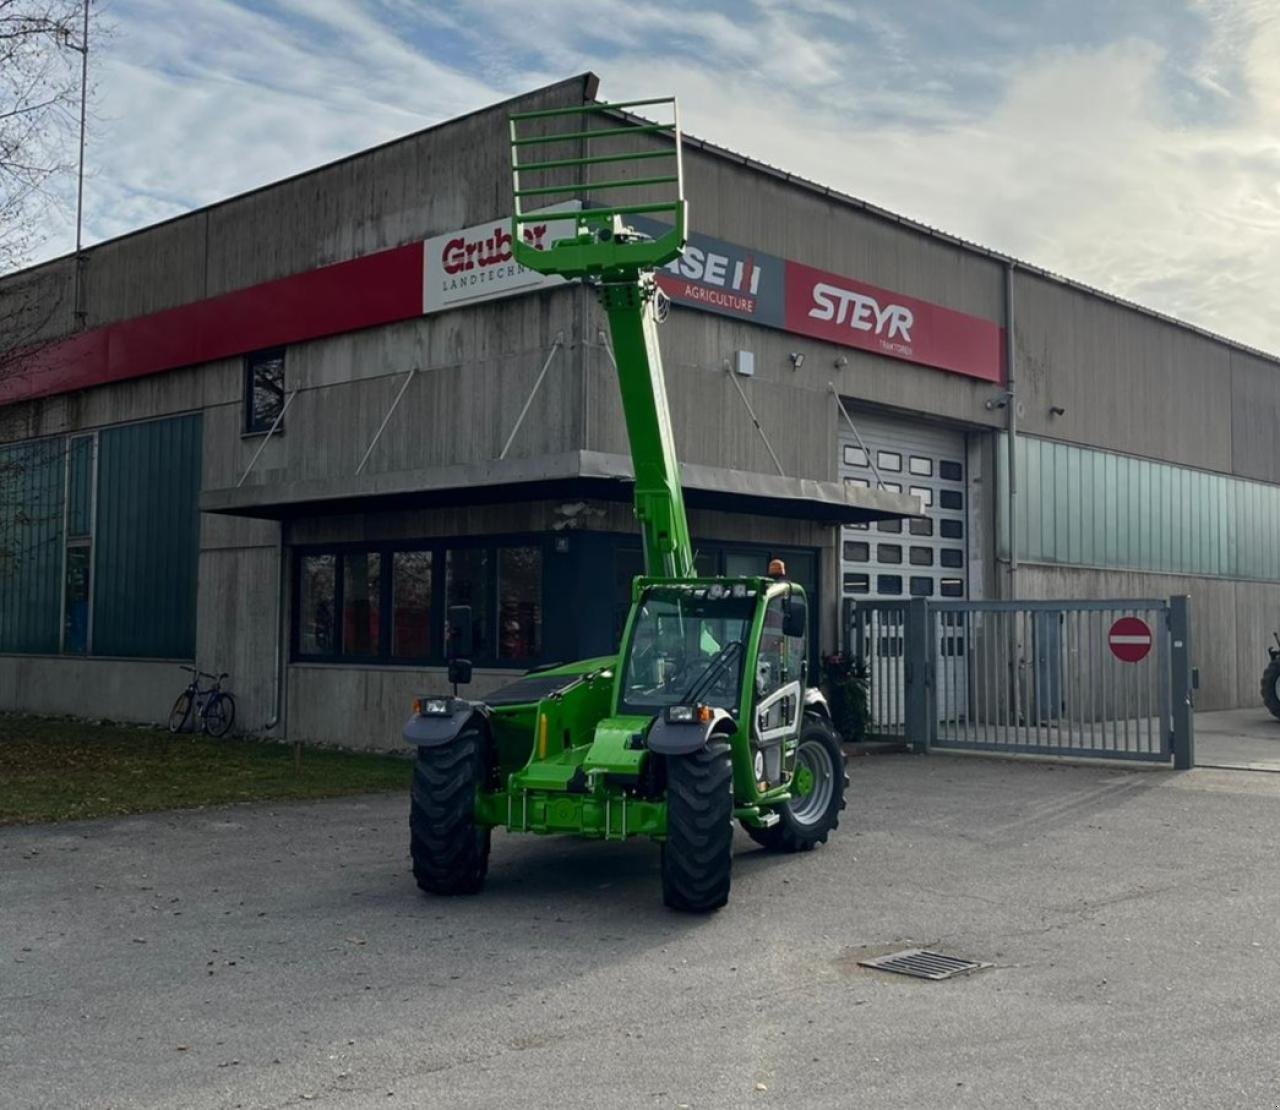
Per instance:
x=778, y=677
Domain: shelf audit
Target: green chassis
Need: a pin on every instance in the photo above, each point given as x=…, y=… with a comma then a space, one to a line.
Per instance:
x=568, y=763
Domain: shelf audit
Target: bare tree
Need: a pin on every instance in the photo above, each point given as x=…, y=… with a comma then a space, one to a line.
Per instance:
x=40, y=43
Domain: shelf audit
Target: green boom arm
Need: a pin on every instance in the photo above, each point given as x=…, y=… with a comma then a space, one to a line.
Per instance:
x=603, y=250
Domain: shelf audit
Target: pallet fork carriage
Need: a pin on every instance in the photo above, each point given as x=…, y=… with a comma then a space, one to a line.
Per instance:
x=704, y=716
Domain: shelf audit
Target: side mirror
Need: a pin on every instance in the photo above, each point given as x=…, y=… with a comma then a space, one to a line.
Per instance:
x=459, y=671
x=795, y=615
x=460, y=641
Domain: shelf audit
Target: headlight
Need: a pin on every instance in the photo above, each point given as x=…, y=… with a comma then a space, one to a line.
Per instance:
x=433, y=707
x=688, y=714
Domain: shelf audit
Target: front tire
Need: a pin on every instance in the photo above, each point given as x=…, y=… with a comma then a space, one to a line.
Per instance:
x=697, y=856
x=450, y=851
x=808, y=819
x=1271, y=687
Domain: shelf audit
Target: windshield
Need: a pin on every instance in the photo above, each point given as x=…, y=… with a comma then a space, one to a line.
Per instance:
x=687, y=646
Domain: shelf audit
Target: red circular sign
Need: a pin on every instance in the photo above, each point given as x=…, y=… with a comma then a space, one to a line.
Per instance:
x=1129, y=639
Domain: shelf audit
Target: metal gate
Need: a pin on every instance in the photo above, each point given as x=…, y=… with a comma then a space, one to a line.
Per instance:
x=1109, y=679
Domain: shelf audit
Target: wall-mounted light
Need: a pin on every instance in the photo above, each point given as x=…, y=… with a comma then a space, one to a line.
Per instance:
x=997, y=403
x=797, y=359
x=1057, y=410
x=841, y=362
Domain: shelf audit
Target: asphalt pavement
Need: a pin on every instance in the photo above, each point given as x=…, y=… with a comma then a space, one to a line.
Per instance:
x=280, y=955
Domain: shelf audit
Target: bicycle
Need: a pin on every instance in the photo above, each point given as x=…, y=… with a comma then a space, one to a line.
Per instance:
x=214, y=706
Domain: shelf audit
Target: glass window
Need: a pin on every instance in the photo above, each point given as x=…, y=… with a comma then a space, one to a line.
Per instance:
x=951, y=471
x=316, y=603
x=861, y=483
x=922, y=556
x=893, y=487
x=951, y=529
x=920, y=466
x=361, y=602
x=924, y=493
x=466, y=582
x=894, y=526
x=889, y=553
x=263, y=390
x=75, y=624
x=921, y=587
x=857, y=583
x=952, y=587
x=856, y=552
x=889, y=584
x=519, y=602
x=854, y=456
x=411, y=604
x=889, y=460
x=951, y=557
x=951, y=499
x=685, y=649
x=920, y=526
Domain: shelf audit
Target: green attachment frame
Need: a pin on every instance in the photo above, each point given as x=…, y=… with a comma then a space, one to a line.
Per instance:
x=602, y=245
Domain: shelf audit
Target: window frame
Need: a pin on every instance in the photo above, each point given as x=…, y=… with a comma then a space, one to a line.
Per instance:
x=250, y=426
x=386, y=551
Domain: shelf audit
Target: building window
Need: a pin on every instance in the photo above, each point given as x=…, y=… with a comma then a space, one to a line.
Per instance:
x=921, y=526
x=411, y=604
x=856, y=552
x=361, y=602
x=889, y=460
x=857, y=584
x=952, y=587
x=952, y=557
x=924, y=493
x=519, y=602
x=889, y=552
x=951, y=529
x=889, y=583
x=263, y=390
x=317, y=601
x=922, y=587
x=466, y=582
x=951, y=471
x=922, y=556
x=854, y=456
x=920, y=466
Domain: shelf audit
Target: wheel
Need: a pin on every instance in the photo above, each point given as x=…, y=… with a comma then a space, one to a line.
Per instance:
x=220, y=715
x=1271, y=687
x=698, y=853
x=450, y=851
x=820, y=776
x=180, y=712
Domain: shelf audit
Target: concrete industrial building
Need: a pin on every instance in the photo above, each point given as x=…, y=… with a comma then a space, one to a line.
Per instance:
x=369, y=312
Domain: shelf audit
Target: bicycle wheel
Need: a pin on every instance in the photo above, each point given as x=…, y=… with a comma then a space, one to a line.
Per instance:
x=180, y=712
x=219, y=714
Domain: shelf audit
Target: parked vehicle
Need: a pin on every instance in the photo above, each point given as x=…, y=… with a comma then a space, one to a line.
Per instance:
x=1271, y=679
x=705, y=716
x=210, y=708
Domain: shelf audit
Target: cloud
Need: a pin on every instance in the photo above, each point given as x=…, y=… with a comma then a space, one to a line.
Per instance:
x=1134, y=147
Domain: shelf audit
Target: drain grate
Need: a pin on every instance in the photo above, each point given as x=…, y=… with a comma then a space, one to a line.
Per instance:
x=922, y=964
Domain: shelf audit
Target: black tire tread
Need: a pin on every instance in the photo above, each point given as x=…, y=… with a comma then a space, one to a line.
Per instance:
x=230, y=718
x=450, y=852
x=697, y=856
x=787, y=835
x=1269, y=698
x=184, y=700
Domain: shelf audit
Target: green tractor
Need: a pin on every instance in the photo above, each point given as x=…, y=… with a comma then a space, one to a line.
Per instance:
x=704, y=716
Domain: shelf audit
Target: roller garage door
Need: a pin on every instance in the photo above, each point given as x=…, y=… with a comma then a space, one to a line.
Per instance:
x=897, y=559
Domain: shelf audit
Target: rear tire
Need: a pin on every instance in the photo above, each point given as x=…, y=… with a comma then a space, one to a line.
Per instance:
x=807, y=820
x=180, y=712
x=697, y=856
x=450, y=851
x=220, y=715
x=1270, y=693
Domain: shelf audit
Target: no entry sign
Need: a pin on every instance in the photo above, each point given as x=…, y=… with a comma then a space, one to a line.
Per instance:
x=1129, y=639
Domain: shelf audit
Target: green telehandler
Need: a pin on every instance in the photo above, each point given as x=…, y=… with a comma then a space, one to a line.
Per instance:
x=704, y=716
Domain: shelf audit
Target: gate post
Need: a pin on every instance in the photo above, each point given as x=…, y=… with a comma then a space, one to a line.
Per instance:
x=919, y=717
x=1184, y=730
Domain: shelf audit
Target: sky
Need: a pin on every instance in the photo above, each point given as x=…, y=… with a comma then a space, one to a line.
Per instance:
x=1133, y=145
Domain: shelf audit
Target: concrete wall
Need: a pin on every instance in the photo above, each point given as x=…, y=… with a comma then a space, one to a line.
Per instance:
x=114, y=689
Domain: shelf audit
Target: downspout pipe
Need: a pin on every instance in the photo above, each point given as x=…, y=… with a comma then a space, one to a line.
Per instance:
x=1011, y=389
x=282, y=567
